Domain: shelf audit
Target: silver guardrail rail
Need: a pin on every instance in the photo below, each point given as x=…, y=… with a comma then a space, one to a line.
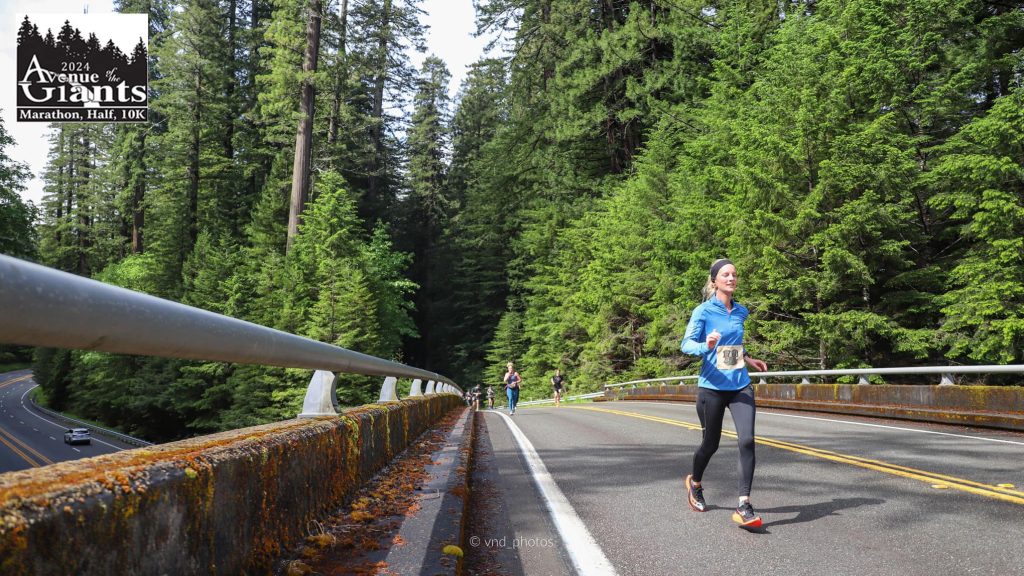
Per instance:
x=46, y=307
x=947, y=374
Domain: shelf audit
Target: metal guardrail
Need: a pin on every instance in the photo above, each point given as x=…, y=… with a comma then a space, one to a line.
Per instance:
x=946, y=373
x=635, y=382
x=566, y=399
x=50, y=308
x=98, y=429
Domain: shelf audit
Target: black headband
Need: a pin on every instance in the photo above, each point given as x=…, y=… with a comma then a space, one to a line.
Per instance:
x=717, y=265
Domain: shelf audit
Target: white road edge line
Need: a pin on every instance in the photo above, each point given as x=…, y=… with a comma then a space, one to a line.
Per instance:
x=587, y=557
x=761, y=411
x=54, y=423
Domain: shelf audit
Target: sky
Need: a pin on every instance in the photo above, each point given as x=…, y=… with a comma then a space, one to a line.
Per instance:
x=451, y=25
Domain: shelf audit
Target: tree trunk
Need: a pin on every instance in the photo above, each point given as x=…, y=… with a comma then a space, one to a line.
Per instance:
x=377, y=132
x=304, y=133
x=229, y=132
x=340, y=76
x=138, y=194
x=548, y=71
x=84, y=222
x=193, y=170
x=61, y=184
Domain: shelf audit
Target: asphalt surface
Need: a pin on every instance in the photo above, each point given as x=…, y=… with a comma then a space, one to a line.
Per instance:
x=839, y=495
x=29, y=439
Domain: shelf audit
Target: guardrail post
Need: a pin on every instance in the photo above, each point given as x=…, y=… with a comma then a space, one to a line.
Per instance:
x=430, y=387
x=947, y=380
x=805, y=380
x=763, y=380
x=415, y=390
x=321, y=396
x=387, y=391
x=864, y=379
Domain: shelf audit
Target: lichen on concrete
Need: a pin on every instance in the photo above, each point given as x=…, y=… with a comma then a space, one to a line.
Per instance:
x=227, y=503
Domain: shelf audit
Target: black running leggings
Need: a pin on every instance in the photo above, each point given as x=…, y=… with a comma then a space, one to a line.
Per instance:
x=711, y=405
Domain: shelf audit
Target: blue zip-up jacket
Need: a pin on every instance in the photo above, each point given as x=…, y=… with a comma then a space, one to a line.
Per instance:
x=723, y=367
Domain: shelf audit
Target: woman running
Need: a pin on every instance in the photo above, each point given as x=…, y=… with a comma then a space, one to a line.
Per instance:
x=715, y=333
x=513, y=382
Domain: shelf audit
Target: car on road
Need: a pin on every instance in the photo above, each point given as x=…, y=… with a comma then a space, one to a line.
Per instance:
x=78, y=436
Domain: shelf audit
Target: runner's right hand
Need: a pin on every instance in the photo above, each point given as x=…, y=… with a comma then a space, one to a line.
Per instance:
x=713, y=338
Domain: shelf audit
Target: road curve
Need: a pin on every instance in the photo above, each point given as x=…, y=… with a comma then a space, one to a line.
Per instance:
x=839, y=495
x=29, y=439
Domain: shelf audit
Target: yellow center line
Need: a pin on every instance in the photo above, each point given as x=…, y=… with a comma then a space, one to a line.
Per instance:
x=30, y=449
x=7, y=383
x=18, y=452
x=964, y=485
x=14, y=443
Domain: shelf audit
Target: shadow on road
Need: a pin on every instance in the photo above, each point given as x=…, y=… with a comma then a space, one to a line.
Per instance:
x=811, y=512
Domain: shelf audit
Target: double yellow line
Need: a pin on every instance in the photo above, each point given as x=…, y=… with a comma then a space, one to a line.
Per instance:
x=7, y=383
x=1005, y=494
x=34, y=458
x=26, y=452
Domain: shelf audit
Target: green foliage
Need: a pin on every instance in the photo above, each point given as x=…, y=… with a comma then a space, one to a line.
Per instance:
x=859, y=160
x=981, y=179
x=17, y=236
x=809, y=146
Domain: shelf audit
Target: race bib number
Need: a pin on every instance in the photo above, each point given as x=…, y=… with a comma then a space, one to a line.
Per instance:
x=729, y=357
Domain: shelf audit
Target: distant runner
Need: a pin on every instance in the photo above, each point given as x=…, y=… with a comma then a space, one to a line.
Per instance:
x=715, y=333
x=513, y=382
x=475, y=394
x=557, y=382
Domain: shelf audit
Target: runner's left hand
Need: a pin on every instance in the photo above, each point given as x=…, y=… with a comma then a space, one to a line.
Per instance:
x=757, y=365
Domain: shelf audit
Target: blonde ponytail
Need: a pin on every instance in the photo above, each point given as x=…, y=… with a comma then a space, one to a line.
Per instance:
x=709, y=289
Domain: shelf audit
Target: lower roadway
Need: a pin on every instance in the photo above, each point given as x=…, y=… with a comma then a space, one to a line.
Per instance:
x=30, y=439
x=839, y=495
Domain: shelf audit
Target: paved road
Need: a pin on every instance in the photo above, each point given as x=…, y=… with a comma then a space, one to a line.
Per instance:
x=28, y=438
x=839, y=495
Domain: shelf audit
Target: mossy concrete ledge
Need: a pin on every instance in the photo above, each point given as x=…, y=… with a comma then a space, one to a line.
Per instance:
x=228, y=503
x=986, y=406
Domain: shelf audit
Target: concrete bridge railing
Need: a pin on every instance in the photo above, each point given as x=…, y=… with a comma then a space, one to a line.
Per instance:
x=227, y=503
x=988, y=406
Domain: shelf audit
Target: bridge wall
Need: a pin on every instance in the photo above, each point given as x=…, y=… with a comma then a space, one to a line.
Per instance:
x=989, y=406
x=228, y=503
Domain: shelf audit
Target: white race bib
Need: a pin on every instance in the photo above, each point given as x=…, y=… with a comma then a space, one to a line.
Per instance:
x=729, y=357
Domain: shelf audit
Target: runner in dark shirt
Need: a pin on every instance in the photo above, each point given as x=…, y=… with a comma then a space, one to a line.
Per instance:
x=557, y=383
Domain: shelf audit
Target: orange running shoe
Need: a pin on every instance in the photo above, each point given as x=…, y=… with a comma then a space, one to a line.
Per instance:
x=745, y=516
x=694, y=495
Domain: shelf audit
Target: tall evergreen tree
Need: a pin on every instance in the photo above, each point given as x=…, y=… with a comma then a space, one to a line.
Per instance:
x=380, y=31
x=427, y=211
x=981, y=181
x=304, y=133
